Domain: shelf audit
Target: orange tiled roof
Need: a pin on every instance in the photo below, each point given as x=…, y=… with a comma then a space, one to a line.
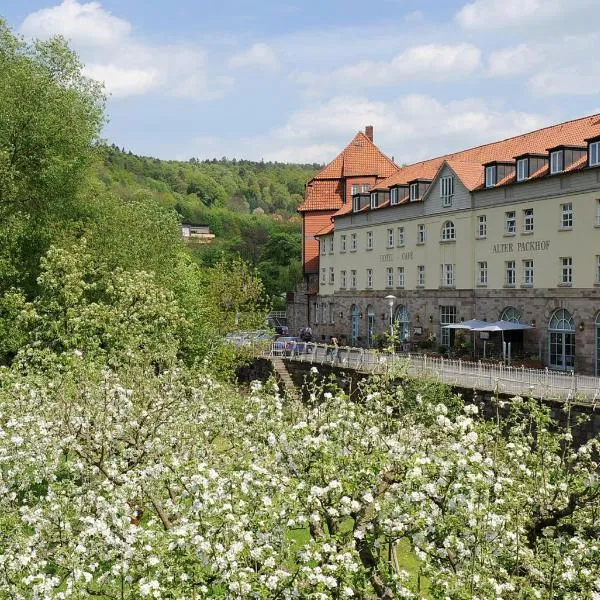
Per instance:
x=325, y=230
x=361, y=157
x=471, y=174
x=322, y=195
x=571, y=133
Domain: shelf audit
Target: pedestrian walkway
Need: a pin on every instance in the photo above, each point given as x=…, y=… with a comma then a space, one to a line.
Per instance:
x=539, y=383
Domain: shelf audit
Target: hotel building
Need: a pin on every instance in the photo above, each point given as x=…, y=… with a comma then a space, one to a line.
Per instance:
x=508, y=230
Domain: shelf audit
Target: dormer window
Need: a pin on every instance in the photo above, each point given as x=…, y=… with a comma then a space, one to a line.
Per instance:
x=394, y=196
x=374, y=200
x=414, y=192
x=556, y=161
x=355, y=203
x=490, y=176
x=522, y=169
x=594, y=154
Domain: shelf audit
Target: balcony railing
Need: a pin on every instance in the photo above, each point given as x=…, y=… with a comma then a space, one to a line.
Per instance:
x=538, y=383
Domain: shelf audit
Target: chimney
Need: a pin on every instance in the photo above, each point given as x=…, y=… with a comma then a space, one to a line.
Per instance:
x=369, y=132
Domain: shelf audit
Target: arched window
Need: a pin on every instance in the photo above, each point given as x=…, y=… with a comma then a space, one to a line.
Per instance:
x=561, y=320
x=401, y=323
x=510, y=313
x=448, y=231
x=561, y=340
x=370, y=325
x=598, y=344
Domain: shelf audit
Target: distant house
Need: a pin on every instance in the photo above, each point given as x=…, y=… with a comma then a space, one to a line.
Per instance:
x=196, y=233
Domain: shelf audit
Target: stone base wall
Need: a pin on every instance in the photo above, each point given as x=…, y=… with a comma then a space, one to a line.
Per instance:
x=535, y=305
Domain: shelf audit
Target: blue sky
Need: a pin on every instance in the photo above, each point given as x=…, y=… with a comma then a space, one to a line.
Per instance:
x=294, y=80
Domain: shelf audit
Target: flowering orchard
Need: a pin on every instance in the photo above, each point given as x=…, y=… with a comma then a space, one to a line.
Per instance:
x=125, y=474
x=130, y=484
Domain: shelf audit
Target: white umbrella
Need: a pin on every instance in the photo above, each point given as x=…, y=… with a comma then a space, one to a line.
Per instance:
x=472, y=324
x=502, y=326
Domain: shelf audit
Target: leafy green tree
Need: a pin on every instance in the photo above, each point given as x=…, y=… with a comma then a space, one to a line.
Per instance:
x=51, y=116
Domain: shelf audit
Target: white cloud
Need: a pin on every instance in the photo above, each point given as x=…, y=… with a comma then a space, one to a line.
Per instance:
x=85, y=24
x=411, y=128
x=121, y=81
x=514, y=61
x=421, y=63
x=567, y=81
x=499, y=14
x=126, y=65
x=259, y=55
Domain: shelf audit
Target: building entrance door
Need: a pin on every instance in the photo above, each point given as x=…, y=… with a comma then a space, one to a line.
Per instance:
x=561, y=341
x=354, y=324
x=401, y=324
x=370, y=326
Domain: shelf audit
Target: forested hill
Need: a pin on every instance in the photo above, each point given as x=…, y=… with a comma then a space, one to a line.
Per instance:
x=249, y=206
x=241, y=186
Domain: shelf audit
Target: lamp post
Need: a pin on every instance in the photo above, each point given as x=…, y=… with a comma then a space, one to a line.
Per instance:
x=390, y=300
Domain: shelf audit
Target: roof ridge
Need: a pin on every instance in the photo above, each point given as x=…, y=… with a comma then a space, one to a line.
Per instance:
x=512, y=137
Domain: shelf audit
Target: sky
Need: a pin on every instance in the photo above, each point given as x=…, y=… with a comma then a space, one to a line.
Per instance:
x=293, y=80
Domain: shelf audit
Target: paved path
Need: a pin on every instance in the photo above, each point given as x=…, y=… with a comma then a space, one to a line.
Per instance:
x=539, y=383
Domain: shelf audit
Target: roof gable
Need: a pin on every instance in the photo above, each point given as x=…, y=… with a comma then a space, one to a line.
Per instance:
x=360, y=157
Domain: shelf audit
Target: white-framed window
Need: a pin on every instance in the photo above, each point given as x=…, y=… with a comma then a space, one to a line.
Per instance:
x=323, y=275
x=490, y=176
x=343, y=279
x=510, y=222
x=394, y=196
x=482, y=226
x=566, y=270
x=566, y=215
x=365, y=188
x=355, y=188
x=374, y=200
x=369, y=278
x=355, y=203
x=390, y=277
x=343, y=243
x=400, y=275
x=316, y=312
x=390, y=238
x=369, y=240
x=522, y=169
x=598, y=213
x=322, y=246
x=447, y=275
x=421, y=234
x=556, y=161
x=447, y=317
x=331, y=313
x=400, y=235
x=510, y=273
x=353, y=278
x=528, y=272
x=448, y=231
x=594, y=154
x=331, y=246
x=447, y=190
x=528, y=220
x=414, y=191
x=331, y=275
x=421, y=275
x=597, y=269
x=482, y=272
x=353, y=242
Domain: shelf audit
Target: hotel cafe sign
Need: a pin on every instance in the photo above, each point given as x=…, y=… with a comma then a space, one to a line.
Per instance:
x=533, y=246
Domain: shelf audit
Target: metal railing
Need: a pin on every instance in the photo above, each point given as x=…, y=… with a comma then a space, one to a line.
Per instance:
x=539, y=383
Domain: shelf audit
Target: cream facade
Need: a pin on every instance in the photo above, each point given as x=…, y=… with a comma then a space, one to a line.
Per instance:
x=527, y=251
